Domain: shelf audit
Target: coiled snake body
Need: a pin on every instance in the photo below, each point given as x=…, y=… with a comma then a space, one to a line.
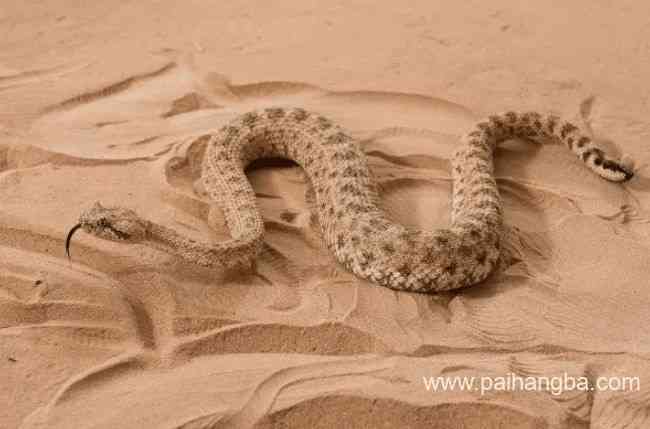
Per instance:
x=359, y=234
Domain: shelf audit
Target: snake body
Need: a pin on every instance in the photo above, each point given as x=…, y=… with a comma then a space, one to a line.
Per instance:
x=354, y=228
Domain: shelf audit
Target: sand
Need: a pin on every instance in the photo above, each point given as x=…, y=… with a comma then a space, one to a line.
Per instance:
x=105, y=101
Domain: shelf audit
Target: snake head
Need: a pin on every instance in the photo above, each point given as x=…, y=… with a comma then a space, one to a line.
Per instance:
x=110, y=223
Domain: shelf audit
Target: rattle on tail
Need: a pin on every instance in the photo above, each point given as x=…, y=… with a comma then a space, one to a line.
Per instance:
x=359, y=234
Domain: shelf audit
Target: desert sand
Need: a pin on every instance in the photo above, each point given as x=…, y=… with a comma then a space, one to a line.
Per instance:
x=105, y=101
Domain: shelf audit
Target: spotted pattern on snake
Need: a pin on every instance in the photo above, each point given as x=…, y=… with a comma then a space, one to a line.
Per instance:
x=354, y=228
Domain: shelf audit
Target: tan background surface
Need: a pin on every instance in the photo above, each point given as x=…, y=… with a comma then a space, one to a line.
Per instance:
x=102, y=101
